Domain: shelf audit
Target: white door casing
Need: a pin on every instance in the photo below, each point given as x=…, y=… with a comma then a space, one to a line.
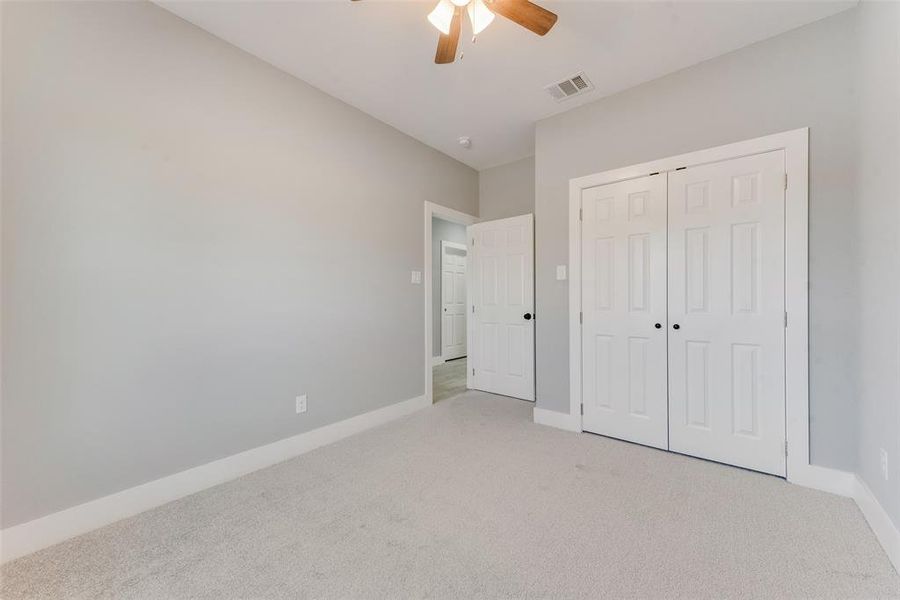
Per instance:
x=726, y=299
x=624, y=310
x=453, y=300
x=501, y=296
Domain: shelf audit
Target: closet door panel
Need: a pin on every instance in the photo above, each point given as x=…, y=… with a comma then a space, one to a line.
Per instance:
x=726, y=295
x=623, y=298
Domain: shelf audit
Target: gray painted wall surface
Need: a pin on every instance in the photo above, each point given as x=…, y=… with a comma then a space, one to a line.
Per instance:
x=507, y=190
x=190, y=239
x=451, y=232
x=878, y=232
x=804, y=78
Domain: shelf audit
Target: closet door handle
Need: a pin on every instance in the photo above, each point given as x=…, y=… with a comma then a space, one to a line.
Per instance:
x=658, y=326
x=527, y=316
x=676, y=326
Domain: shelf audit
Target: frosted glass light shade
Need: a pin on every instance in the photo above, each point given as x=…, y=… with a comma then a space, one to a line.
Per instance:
x=442, y=16
x=480, y=16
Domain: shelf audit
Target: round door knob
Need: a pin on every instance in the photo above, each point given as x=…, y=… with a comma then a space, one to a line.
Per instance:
x=527, y=316
x=676, y=326
x=658, y=326
x=445, y=310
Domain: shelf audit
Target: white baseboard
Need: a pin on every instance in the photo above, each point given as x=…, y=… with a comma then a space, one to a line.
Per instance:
x=437, y=360
x=880, y=522
x=54, y=528
x=833, y=481
x=551, y=418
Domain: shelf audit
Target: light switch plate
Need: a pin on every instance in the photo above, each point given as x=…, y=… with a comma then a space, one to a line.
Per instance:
x=560, y=272
x=415, y=277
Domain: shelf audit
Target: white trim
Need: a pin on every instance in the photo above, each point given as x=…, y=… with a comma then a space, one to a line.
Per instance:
x=454, y=216
x=828, y=480
x=446, y=244
x=54, y=528
x=885, y=530
x=437, y=360
x=556, y=419
x=796, y=148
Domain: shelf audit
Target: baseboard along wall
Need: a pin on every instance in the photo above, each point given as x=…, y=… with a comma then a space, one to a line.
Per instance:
x=43, y=532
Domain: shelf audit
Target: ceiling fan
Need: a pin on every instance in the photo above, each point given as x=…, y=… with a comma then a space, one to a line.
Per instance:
x=447, y=18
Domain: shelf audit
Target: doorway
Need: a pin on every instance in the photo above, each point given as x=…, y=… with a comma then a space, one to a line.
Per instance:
x=446, y=301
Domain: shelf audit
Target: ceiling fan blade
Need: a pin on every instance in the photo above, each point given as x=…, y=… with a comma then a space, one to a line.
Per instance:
x=527, y=14
x=446, y=48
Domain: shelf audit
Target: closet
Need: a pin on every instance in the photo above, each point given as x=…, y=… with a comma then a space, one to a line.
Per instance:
x=683, y=310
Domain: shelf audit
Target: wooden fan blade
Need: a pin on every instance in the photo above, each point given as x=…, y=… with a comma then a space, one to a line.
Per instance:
x=446, y=48
x=527, y=14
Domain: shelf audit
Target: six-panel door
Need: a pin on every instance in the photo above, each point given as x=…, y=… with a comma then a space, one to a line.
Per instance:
x=624, y=310
x=501, y=352
x=726, y=298
x=453, y=300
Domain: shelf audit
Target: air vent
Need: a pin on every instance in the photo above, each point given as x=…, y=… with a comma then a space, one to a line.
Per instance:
x=577, y=84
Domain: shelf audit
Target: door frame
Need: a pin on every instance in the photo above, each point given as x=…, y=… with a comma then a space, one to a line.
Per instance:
x=454, y=216
x=795, y=145
x=445, y=244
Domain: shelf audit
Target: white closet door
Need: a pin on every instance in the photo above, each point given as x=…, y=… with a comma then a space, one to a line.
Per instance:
x=726, y=312
x=624, y=310
x=501, y=351
x=453, y=300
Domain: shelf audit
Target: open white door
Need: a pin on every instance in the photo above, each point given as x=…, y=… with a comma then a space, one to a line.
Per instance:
x=726, y=312
x=624, y=310
x=501, y=297
x=453, y=300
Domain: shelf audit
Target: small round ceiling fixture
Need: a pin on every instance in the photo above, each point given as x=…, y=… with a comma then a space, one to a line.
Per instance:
x=465, y=141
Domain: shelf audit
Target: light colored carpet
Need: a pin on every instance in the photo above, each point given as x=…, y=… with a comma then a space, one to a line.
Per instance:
x=449, y=379
x=470, y=499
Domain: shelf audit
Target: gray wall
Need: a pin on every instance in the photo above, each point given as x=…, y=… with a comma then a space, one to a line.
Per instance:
x=506, y=190
x=804, y=78
x=190, y=239
x=451, y=232
x=878, y=234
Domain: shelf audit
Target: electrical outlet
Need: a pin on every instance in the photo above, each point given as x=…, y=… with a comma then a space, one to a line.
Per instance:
x=301, y=404
x=884, y=463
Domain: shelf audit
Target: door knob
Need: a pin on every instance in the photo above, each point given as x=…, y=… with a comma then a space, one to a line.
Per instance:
x=658, y=326
x=676, y=326
x=527, y=316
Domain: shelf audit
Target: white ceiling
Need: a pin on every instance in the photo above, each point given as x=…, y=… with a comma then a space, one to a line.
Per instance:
x=378, y=55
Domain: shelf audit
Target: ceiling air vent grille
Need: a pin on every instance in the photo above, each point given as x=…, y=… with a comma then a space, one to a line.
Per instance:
x=577, y=84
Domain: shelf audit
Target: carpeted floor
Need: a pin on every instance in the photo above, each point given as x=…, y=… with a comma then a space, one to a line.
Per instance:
x=470, y=499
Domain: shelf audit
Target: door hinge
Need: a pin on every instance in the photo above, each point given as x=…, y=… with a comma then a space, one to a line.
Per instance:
x=785, y=181
x=581, y=318
x=473, y=372
x=785, y=448
x=473, y=309
x=785, y=319
x=581, y=214
x=582, y=410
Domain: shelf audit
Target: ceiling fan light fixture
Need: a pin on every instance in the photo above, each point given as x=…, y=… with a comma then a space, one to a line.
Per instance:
x=442, y=16
x=479, y=15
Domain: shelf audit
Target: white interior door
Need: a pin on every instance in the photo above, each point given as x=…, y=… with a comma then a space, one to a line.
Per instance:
x=501, y=276
x=726, y=312
x=453, y=300
x=624, y=310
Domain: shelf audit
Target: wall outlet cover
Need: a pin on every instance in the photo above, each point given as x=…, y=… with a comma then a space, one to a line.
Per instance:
x=301, y=404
